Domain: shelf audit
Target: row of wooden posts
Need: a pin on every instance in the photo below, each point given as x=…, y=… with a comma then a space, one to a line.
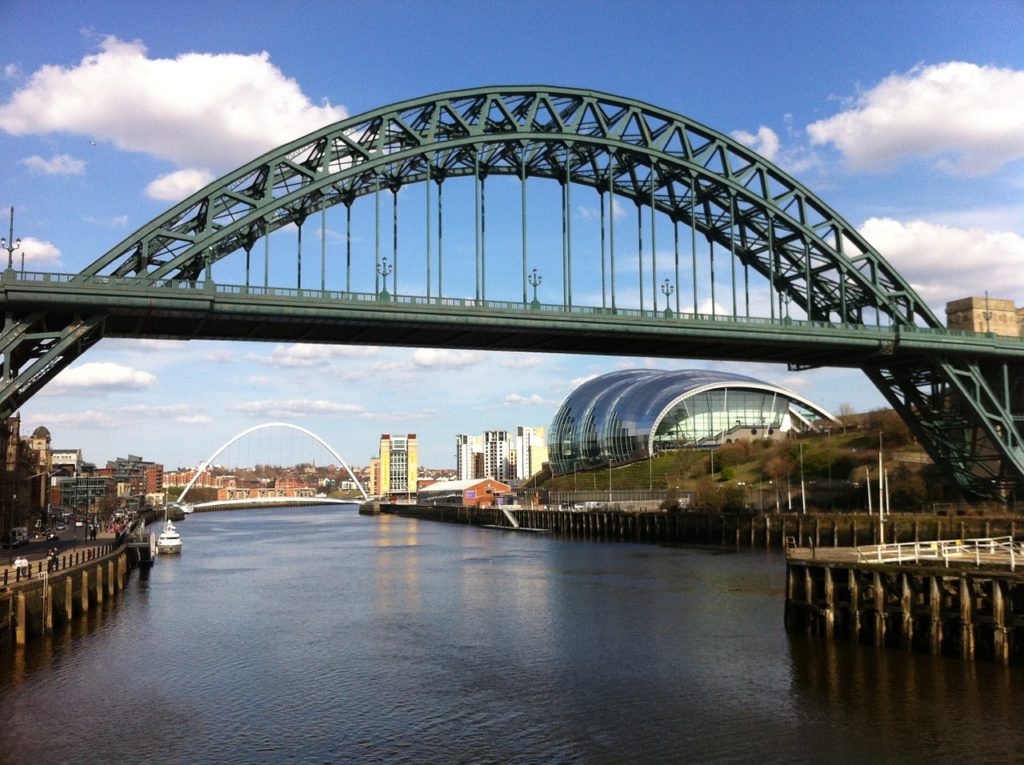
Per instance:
x=36, y=605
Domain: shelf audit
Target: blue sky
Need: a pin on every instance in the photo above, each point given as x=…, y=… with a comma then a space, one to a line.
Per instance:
x=907, y=118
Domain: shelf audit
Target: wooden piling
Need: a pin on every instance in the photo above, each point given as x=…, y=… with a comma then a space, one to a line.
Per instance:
x=968, y=613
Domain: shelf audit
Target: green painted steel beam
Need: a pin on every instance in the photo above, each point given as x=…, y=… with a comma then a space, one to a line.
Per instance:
x=961, y=393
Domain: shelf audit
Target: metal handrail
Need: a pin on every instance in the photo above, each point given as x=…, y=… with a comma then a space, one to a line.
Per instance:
x=201, y=287
x=988, y=550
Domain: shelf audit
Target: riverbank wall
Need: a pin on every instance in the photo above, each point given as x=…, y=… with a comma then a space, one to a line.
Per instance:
x=765, y=530
x=963, y=611
x=85, y=579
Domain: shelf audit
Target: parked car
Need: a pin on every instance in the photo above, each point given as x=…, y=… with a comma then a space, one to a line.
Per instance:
x=53, y=536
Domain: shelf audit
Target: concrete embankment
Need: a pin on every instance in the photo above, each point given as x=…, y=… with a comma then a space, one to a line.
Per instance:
x=772, y=530
x=34, y=606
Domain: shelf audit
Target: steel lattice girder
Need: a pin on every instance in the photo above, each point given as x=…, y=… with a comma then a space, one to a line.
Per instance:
x=966, y=414
x=685, y=170
x=36, y=347
x=692, y=173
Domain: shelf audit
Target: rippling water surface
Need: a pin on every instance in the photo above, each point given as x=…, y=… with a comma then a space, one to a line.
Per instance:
x=322, y=636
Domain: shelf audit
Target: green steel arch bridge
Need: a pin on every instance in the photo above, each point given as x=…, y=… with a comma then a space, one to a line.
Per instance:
x=538, y=219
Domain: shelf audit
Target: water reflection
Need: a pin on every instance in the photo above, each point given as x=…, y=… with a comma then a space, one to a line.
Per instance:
x=325, y=636
x=879, y=699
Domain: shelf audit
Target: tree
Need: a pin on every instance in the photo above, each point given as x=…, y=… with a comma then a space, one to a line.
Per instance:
x=708, y=495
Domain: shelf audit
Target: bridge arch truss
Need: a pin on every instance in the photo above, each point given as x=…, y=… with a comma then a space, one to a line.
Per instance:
x=964, y=401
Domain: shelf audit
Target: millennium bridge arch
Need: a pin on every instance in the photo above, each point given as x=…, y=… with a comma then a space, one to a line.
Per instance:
x=793, y=282
x=248, y=431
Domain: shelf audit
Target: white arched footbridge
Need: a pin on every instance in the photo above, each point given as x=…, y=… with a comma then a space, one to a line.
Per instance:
x=267, y=500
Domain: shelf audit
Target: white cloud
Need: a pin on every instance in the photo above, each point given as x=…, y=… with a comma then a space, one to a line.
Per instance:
x=100, y=377
x=37, y=252
x=522, y=362
x=312, y=354
x=156, y=410
x=89, y=418
x=515, y=399
x=442, y=358
x=194, y=419
x=765, y=142
x=968, y=116
x=209, y=110
x=578, y=381
x=943, y=263
x=156, y=344
x=297, y=408
x=58, y=164
x=224, y=356
x=178, y=185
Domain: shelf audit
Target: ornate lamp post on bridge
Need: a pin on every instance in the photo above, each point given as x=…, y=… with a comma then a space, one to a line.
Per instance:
x=384, y=269
x=535, y=279
x=667, y=290
x=11, y=245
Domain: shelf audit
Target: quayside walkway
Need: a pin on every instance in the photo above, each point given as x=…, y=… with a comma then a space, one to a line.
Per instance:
x=68, y=557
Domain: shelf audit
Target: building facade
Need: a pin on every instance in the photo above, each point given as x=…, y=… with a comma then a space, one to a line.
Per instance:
x=531, y=451
x=997, y=316
x=469, y=457
x=502, y=454
x=633, y=414
x=499, y=455
x=396, y=469
x=483, y=492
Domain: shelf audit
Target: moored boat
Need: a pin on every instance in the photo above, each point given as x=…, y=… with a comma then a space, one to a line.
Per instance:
x=169, y=540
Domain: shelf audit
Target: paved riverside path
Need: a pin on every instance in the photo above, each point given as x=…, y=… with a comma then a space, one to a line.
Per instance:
x=36, y=553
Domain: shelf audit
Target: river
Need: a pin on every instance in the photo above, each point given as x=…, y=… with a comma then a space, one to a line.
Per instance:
x=311, y=635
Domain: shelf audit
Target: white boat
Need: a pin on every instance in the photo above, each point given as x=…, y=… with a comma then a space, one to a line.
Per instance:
x=169, y=540
x=186, y=508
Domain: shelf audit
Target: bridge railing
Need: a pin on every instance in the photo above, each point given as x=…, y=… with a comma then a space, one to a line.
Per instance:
x=134, y=283
x=998, y=551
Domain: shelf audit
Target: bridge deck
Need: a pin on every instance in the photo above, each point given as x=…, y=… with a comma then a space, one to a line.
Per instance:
x=174, y=309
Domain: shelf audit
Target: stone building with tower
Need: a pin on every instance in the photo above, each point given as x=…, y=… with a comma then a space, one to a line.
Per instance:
x=985, y=315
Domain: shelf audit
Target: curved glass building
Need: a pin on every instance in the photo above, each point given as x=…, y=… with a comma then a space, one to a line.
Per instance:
x=630, y=415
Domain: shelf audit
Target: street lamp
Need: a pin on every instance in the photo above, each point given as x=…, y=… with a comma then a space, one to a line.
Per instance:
x=384, y=269
x=11, y=244
x=667, y=290
x=535, y=279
